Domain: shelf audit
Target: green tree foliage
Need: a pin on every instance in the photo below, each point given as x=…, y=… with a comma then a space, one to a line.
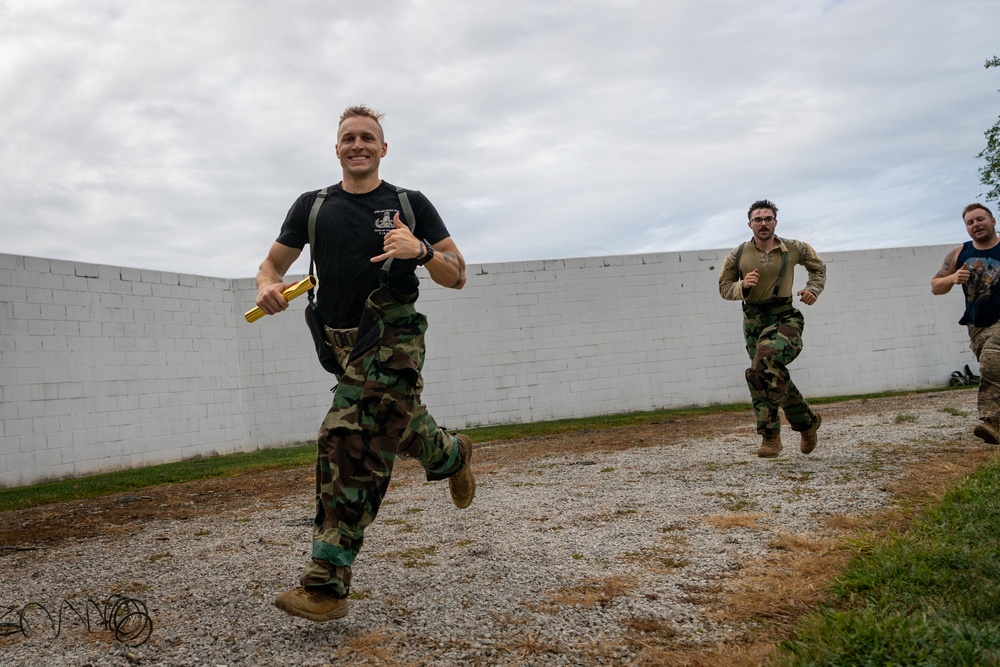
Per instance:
x=990, y=172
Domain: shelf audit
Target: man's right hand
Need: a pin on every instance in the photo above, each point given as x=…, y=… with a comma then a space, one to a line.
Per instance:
x=750, y=280
x=269, y=278
x=961, y=276
x=270, y=298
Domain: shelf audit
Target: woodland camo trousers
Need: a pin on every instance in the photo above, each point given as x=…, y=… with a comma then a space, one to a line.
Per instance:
x=376, y=414
x=985, y=344
x=773, y=333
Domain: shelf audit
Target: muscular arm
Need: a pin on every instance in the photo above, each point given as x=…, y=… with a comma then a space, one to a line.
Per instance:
x=447, y=267
x=815, y=268
x=949, y=275
x=269, y=278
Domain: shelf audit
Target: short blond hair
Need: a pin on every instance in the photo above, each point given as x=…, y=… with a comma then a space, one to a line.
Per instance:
x=363, y=111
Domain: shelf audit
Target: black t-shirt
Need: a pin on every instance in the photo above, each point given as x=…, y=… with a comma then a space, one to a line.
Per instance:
x=349, y=232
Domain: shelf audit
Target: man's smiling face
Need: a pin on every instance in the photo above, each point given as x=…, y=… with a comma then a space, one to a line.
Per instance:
x=360, y=146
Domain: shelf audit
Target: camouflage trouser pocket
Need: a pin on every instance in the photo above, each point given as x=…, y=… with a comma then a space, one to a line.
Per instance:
x=390, y=393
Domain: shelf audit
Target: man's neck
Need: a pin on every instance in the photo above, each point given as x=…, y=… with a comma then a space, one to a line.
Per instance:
x=360, y=186
x=766, y=246
x=986, y=245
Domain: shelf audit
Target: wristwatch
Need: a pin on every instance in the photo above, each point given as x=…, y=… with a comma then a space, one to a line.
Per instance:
x=428, y=254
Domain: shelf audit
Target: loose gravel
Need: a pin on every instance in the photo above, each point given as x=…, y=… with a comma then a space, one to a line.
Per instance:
x=558, y=561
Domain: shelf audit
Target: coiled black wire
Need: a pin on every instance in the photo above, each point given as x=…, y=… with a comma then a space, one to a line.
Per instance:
x=127, y=617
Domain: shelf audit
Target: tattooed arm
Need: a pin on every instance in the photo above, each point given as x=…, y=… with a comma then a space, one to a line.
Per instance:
x=447, y=267
x=949, y=275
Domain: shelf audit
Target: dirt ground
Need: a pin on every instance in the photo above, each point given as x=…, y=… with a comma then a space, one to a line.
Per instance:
x=114, y=514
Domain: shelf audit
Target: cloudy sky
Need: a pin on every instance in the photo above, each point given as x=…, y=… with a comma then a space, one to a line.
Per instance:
x=174, y=135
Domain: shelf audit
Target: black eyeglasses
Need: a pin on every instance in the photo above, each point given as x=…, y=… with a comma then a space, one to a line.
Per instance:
x=769, y=219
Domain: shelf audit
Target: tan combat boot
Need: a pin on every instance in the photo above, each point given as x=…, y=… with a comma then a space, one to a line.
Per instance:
x=463, y=483
x=809, y=436
x=771, y=446
x=987, y=432
x=315, y=604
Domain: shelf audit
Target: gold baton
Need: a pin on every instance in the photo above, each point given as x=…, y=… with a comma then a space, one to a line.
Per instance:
x=295, y=290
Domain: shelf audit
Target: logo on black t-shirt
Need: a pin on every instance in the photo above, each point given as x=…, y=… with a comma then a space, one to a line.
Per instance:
x=384, y=224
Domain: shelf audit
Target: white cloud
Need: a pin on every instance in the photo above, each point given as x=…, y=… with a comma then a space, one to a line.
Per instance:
x=175, y=135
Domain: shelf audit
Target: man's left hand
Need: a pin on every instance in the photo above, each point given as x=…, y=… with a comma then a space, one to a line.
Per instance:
x=400, y=242
x=807, y=297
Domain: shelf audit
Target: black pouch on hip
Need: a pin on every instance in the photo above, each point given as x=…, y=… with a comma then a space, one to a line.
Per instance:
x=327, y=359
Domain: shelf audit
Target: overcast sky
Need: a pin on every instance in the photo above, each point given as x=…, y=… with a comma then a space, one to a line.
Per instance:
x=174, y=135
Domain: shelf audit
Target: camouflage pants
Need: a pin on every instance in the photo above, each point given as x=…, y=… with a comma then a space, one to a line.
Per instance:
x=376, y=414
x=773, y=334
x=985, y=344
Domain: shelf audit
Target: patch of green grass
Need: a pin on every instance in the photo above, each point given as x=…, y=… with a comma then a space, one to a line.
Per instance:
x=929, y=596
x=734, y=502
x=415, y=557
x=903, y=418
x=674, y=562
x=954, y=411
x=94, y=486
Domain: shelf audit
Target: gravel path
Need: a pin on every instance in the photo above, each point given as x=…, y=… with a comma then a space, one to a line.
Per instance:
x=560, y=560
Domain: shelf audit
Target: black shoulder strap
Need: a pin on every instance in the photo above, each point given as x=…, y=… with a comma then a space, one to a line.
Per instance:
x=313, y=213
x=784, y=265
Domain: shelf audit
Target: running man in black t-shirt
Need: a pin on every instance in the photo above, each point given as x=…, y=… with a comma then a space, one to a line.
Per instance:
x=975, y=265
x=376, y=412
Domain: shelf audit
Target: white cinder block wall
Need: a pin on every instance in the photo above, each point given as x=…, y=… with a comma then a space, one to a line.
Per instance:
x=104, y=368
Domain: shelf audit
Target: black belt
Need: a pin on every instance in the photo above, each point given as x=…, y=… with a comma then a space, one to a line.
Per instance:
x=771, y=307
x=343, y=338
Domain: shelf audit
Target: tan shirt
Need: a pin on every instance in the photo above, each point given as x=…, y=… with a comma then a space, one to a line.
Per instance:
x=769, y=266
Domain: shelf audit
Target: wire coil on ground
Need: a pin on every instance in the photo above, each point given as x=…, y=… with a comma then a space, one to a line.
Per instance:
x=127, y=617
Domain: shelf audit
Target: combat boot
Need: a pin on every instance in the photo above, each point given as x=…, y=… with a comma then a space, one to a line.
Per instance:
x=988, y=432
x=809, y=436
x=316, y=604
x=463, y=483
x=771, y=446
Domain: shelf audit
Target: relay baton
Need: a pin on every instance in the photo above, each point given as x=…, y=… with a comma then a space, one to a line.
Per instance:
x=295, y=290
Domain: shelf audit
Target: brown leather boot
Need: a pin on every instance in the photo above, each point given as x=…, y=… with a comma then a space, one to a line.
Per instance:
x=771, y=446
x=315, y=604
x=809, y=436
x=988, y=432
x=463, y=483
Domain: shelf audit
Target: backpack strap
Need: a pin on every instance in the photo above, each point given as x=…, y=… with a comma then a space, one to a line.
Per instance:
x=411, y=221
x=781, y=274
x=313, y=214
